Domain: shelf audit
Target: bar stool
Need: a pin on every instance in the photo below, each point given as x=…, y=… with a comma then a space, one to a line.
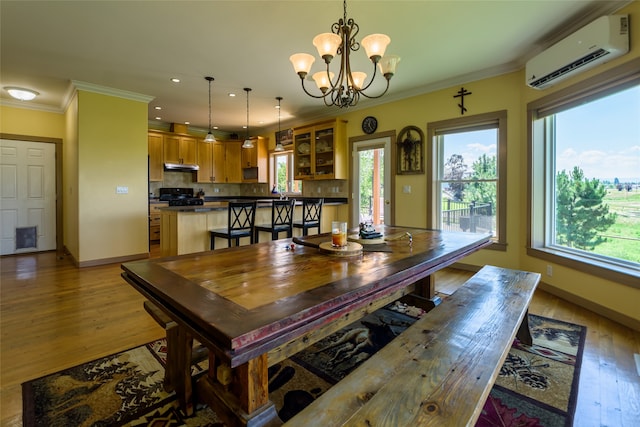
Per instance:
x=241, y=221
x=311, y=215
x=281, y=220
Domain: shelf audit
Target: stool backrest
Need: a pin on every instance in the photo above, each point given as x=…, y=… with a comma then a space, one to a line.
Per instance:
x=282, y=212
x=311, y=210
x=242, y=215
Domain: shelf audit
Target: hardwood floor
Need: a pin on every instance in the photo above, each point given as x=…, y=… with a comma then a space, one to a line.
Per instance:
x=54, y=316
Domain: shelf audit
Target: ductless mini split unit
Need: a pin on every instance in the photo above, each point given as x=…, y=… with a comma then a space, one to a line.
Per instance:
x=600, y=41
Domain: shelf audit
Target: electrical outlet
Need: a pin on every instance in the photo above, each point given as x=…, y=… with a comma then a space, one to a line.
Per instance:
x=549, y=270
x=406, y=189
x=122, y=190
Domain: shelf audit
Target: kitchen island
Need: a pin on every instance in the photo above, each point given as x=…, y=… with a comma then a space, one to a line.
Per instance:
x=185, y=229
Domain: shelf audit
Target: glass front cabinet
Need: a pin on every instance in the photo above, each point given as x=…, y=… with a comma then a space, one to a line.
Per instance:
x=320, y=151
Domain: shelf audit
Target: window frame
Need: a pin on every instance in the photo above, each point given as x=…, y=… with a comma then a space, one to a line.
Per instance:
x=273, y=170
x=497, y=120
x=539, y=157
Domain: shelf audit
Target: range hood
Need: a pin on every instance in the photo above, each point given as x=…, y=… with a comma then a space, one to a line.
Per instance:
x=181, y=167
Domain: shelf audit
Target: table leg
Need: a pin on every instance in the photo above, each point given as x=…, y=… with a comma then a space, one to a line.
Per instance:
x=239, y=396
x=180, y=356
x=424, y=295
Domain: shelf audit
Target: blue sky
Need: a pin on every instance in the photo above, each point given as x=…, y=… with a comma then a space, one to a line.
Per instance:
x=602, y=137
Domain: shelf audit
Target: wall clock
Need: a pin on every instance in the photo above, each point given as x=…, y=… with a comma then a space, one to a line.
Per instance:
x=369, y=124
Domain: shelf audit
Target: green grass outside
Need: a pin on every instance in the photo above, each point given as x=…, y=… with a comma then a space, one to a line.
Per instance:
x=623, y=238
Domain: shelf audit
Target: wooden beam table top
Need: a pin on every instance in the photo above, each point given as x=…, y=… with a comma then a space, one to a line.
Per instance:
x=247, y=301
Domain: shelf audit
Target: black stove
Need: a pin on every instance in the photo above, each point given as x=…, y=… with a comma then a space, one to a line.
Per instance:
x=168, y=194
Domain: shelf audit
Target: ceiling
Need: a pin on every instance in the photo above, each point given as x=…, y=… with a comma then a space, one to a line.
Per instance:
x=137, y=46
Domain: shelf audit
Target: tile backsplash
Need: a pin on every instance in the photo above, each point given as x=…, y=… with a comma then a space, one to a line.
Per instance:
x=320, y=188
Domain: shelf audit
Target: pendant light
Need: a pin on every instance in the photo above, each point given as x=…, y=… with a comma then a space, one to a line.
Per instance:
x=279, y=146
x=248, y=143
x=209, y=137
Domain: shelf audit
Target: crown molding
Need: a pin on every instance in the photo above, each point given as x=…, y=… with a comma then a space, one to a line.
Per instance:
x=118, y=93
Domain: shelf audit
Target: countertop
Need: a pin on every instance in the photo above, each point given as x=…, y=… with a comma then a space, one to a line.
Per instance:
x=221, y=203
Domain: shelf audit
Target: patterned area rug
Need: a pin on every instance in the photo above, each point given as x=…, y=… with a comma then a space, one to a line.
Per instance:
x=537, y=385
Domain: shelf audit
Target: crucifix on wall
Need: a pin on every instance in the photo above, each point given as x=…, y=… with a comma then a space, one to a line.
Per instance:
x=461, y=94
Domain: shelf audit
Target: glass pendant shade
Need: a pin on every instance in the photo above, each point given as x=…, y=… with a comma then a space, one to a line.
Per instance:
x=209, y=137
x=375, y=45
x=358, y=79
x=248, y=143
x=322, y=81
x=302, y=62
x=388, y=65
x=327, y=45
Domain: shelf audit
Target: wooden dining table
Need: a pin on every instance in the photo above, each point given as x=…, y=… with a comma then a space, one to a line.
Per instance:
x=256, y=305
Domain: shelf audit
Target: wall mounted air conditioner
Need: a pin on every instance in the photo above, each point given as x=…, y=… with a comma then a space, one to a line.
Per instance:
x=600, y=41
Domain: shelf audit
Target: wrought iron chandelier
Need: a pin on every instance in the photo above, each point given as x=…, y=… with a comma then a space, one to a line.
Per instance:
x=346, y=89
x=210, y=137
x=279, y=146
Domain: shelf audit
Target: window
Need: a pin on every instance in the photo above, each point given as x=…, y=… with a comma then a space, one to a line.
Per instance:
x=468, y=157
x=281, y=177
x=584, y=147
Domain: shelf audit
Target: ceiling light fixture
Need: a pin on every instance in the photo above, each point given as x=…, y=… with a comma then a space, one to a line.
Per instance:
x=279, y=146
x=21, y=93
x=345, y=91
x=248, y=143
x=209, y=137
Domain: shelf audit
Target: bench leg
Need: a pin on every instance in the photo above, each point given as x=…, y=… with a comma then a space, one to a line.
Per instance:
x=524, y=332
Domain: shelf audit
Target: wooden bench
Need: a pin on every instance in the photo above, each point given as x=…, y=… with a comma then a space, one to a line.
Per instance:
x=173, y=378
x=440, y=370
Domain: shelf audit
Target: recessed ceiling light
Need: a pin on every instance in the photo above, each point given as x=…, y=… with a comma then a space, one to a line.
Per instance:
x=215, y=127
x=158, y=118
x=158, y=107
x=187, y=123
x=21, y=93
x=232, y=95
x=175, y=80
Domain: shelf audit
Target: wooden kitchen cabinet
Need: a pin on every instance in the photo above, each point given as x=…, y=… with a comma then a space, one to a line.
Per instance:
x=320, y=151
x=179, y=149
x=233, y=158
x=254, y=161
x=156, y=166
x=219, y=162
x=154, y=221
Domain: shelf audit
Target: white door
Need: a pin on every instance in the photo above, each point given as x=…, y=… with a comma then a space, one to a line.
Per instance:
x=371, y=192
x=27, y=196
